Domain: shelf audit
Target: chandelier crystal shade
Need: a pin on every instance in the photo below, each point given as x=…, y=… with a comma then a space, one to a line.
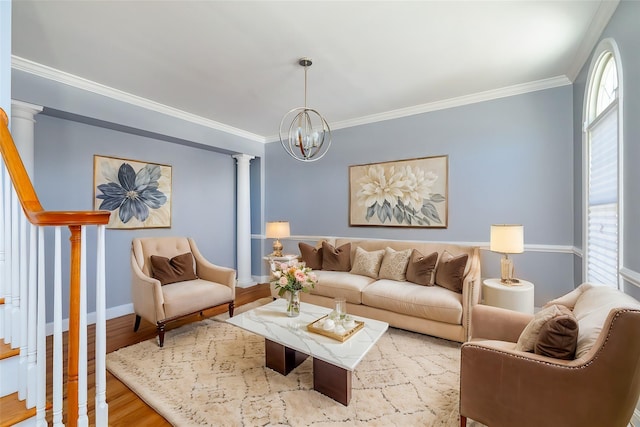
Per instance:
x=304, y=133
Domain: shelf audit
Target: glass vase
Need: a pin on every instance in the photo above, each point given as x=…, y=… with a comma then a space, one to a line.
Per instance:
x=293, y=304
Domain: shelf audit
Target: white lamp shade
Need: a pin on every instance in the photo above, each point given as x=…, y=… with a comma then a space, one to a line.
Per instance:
x=278, y=230
x=507, y=238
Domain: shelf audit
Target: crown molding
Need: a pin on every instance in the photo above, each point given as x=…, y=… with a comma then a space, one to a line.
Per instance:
x=460, y=101
x=601, y=18
x=22, y=64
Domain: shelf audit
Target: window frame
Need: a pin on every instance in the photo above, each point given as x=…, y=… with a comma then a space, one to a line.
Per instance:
x=607, y=48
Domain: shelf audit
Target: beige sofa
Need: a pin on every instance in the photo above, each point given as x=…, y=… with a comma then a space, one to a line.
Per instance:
x=431, y=310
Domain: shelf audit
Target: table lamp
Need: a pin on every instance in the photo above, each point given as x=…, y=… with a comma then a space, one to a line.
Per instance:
x=507, y=239
x=277, y=230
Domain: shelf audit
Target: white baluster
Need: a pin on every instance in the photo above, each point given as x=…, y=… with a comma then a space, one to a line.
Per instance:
x=24, y=311
x=83, y=420
x=3, y=282
x=8, y=300
x=57, y=331
x=15, y=271
x=41, y=352
x=32, y=371
x=102, y=409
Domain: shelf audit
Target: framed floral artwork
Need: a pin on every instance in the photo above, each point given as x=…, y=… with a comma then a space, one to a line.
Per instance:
x=138, y=194
x=401, y=193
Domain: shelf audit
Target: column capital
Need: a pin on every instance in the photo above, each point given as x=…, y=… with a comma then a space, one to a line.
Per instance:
x=243, y=157
x=24, y=110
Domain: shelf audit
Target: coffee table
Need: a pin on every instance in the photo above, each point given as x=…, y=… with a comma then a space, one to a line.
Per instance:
x=288, y=343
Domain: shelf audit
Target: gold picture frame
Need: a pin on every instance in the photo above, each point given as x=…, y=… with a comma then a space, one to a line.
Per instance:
x=400, y=193
x=137, y=193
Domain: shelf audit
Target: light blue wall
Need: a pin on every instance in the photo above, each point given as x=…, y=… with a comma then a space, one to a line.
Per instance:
x=510, y=161
x=5, y=55
x=77, y=124
x=624, y=28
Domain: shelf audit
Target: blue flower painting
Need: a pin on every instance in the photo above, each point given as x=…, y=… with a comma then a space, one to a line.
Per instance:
x=137, y=194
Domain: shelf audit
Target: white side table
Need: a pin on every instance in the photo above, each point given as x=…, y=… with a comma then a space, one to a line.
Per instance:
x=515, y=297
x=284, y=258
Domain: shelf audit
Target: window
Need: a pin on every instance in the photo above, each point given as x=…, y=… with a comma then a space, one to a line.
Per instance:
x=602, y=248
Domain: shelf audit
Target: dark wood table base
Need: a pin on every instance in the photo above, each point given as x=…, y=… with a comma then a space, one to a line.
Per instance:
x=328, y=379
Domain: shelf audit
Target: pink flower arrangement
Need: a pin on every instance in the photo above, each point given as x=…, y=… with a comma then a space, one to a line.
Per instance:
x=293, y=276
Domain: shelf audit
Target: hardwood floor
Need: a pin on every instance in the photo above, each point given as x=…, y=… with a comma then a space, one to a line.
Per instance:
x=125, y=407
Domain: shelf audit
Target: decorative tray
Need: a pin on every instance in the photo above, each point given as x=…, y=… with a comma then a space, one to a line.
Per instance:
x=316, y=329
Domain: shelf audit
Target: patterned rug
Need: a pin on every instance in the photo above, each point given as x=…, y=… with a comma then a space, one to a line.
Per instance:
x=210, y=373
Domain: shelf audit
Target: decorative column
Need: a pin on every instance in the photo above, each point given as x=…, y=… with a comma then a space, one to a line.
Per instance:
x=22, y=130
x=243, y=220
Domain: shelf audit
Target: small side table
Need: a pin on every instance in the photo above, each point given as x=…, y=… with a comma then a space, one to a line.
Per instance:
x=515, y=297
x=271, y=259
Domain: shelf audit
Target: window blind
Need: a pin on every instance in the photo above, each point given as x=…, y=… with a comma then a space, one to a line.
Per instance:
x=602, y=213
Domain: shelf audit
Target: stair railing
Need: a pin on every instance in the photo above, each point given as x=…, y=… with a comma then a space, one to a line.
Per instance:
x=24, y=283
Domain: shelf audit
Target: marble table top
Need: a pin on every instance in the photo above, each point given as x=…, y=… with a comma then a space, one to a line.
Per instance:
x=271, y=322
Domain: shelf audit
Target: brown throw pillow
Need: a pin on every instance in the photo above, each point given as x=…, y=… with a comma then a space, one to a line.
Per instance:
x=558, y=337
x=420, y=268
x=336, y=259
x=312, y=257
x=450, y=271
x=177, y=269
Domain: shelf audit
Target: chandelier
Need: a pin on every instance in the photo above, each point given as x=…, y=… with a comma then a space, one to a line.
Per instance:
x=304, y=133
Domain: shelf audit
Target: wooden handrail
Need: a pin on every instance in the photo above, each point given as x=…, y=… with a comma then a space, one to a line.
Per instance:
x=36, y=215
x=27, y=194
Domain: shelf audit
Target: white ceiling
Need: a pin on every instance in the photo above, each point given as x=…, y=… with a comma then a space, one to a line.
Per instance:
x=235, y=62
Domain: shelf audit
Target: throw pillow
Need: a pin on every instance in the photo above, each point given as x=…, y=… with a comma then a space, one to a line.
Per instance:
x=394, y=264
x=177, y=269
x=311, y=256
x=367, y=263
x=420, y=268
x=558, y=338
x=529, y=335
x=336, y=259
x=450, y=271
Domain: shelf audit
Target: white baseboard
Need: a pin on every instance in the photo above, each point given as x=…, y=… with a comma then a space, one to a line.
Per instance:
x=113, y=312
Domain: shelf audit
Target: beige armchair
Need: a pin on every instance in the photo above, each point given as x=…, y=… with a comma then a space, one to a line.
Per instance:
x=160, y=304
x=503, y=387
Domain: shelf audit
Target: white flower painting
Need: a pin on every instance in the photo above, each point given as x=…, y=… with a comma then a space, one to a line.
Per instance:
x=405, y=193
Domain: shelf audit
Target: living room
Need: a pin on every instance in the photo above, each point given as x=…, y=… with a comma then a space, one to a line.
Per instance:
x=514, y=158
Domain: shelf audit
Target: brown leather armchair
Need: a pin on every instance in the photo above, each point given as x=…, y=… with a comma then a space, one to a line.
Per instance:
x=503, y=387
x=213, y=286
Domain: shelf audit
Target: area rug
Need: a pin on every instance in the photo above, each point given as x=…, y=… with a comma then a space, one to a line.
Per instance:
x=211, y=373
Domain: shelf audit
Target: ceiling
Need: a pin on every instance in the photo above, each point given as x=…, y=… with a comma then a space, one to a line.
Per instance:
x=235, y=63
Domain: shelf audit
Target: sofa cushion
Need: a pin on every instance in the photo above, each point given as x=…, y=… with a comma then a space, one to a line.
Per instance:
x=335, y=284
x=420, y=268
x=311, y=256
x=591, y=310
x=558, y=337
x=450, y=271
x=529, y=335
x=367, y=263
x=394, y=264
x=177, y=269
x=428, y=302
x=336, y=259
x=193, y=295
